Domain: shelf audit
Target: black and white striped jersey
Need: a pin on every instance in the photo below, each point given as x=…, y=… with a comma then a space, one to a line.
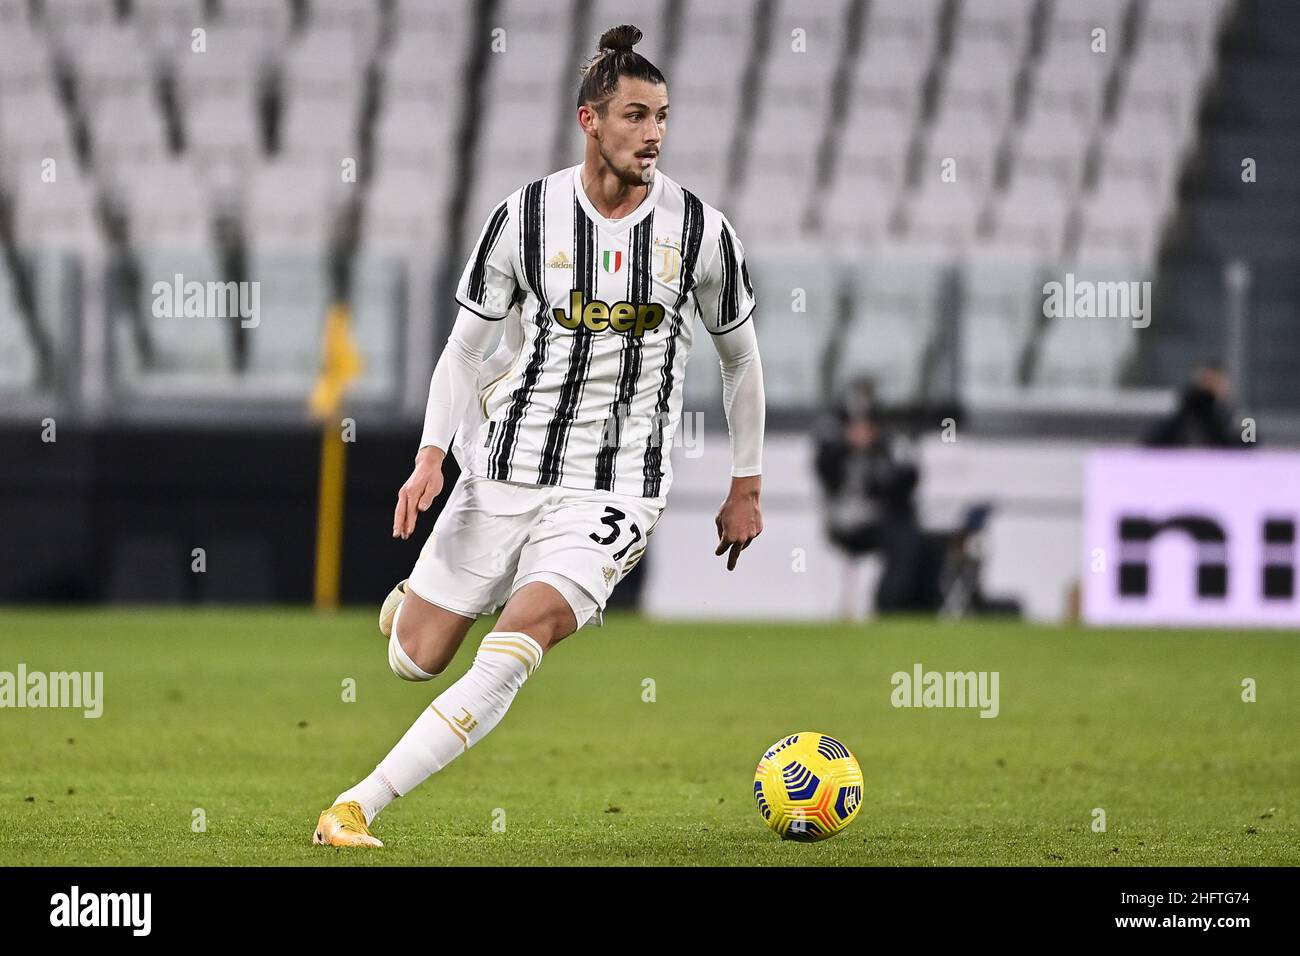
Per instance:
x=585, y=389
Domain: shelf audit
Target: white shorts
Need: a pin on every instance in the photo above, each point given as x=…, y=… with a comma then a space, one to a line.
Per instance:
x=493, y=537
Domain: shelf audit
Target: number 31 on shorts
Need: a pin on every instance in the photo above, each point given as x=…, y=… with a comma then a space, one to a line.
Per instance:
x=611, y=520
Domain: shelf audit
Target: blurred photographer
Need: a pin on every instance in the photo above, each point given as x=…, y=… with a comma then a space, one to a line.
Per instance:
x=869, y=496
x=1203, y=418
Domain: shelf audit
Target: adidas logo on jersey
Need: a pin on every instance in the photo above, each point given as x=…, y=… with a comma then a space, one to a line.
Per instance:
x=559, y=261
x=626, y=318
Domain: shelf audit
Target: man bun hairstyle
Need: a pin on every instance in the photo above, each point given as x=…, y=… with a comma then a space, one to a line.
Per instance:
x=615, y=57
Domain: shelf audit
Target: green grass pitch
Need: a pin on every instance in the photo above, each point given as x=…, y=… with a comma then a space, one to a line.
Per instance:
x=240, y=714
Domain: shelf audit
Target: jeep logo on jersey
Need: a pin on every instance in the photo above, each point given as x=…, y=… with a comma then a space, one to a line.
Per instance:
x=626, y=318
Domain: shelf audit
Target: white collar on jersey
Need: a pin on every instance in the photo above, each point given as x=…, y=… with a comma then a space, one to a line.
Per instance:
x=632, y=218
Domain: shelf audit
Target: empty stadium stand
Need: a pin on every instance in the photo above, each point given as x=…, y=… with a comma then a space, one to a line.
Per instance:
x=905, y=175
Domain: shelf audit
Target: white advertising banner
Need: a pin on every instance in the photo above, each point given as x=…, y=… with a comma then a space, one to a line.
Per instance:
x=1191, y=537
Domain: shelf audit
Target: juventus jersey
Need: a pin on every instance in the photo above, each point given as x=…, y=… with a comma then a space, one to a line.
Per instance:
x=585, y=389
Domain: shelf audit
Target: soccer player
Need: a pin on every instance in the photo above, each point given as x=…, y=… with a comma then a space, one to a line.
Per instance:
x=562, y=382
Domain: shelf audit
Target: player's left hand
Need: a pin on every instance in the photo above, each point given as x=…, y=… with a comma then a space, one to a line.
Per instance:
x=739, y=520
x=417, y=494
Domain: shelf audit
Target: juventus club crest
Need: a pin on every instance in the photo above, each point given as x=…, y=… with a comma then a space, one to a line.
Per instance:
x=668, y=258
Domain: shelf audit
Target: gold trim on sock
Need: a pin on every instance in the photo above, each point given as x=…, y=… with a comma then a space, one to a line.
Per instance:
x=517, y=656
x=450, y=726
x=528, y=648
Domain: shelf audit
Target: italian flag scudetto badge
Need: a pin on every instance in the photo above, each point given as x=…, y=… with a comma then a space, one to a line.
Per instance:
x=612, y=261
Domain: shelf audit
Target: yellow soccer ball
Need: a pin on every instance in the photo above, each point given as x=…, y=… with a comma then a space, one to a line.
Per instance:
x=808, y=787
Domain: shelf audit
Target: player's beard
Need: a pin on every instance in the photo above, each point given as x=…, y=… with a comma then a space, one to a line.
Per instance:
x=637, y=175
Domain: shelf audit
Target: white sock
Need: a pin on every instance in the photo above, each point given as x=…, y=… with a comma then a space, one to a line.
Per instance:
x=457, y=719
x=401, y=662
x=374, y=793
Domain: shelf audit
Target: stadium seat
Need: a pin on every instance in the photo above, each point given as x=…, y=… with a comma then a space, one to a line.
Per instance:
x=324, y=129
x=231, y=64
x=1084, y=354
x=945, y=216
x=1101, y=235
x=859, y=208
x=186, y=348
x=775, y=201
x=380, y=288
x=1001, y=303
x=361, y=20
x=167, y=205
x=294, y=299
x=274, y=20
x=126, y=132
x=33, y=126
x=325, y=64
x=411, y=74
x=18, y=368
x=65, y=17
x=411, y=135
x=915, y=22
x=1004, y=22
x=114, y=65
x=893, y=297
x=697, y=147
x=1162, y=85
x=971, y=141
x=448, y=17
x=794, y=343
x=1071, y=24
x=292, y=206
x=222, y=132
x=1031, y=215
x=887, y=76
x=166, y=27
x=405, y=211
x=59, y=216
x=980, y=80
x=1070, y=77
x=1050, y=145
x=1190, y=25
x=821, y=41
x=1135, y=147
x=25, y=62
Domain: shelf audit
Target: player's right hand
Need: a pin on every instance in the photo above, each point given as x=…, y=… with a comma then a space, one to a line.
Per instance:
x=419, y=491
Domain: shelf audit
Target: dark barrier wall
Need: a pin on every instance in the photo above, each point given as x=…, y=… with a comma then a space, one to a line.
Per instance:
x=114, y=514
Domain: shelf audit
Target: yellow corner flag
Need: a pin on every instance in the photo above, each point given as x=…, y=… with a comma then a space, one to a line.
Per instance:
x=340, y=364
